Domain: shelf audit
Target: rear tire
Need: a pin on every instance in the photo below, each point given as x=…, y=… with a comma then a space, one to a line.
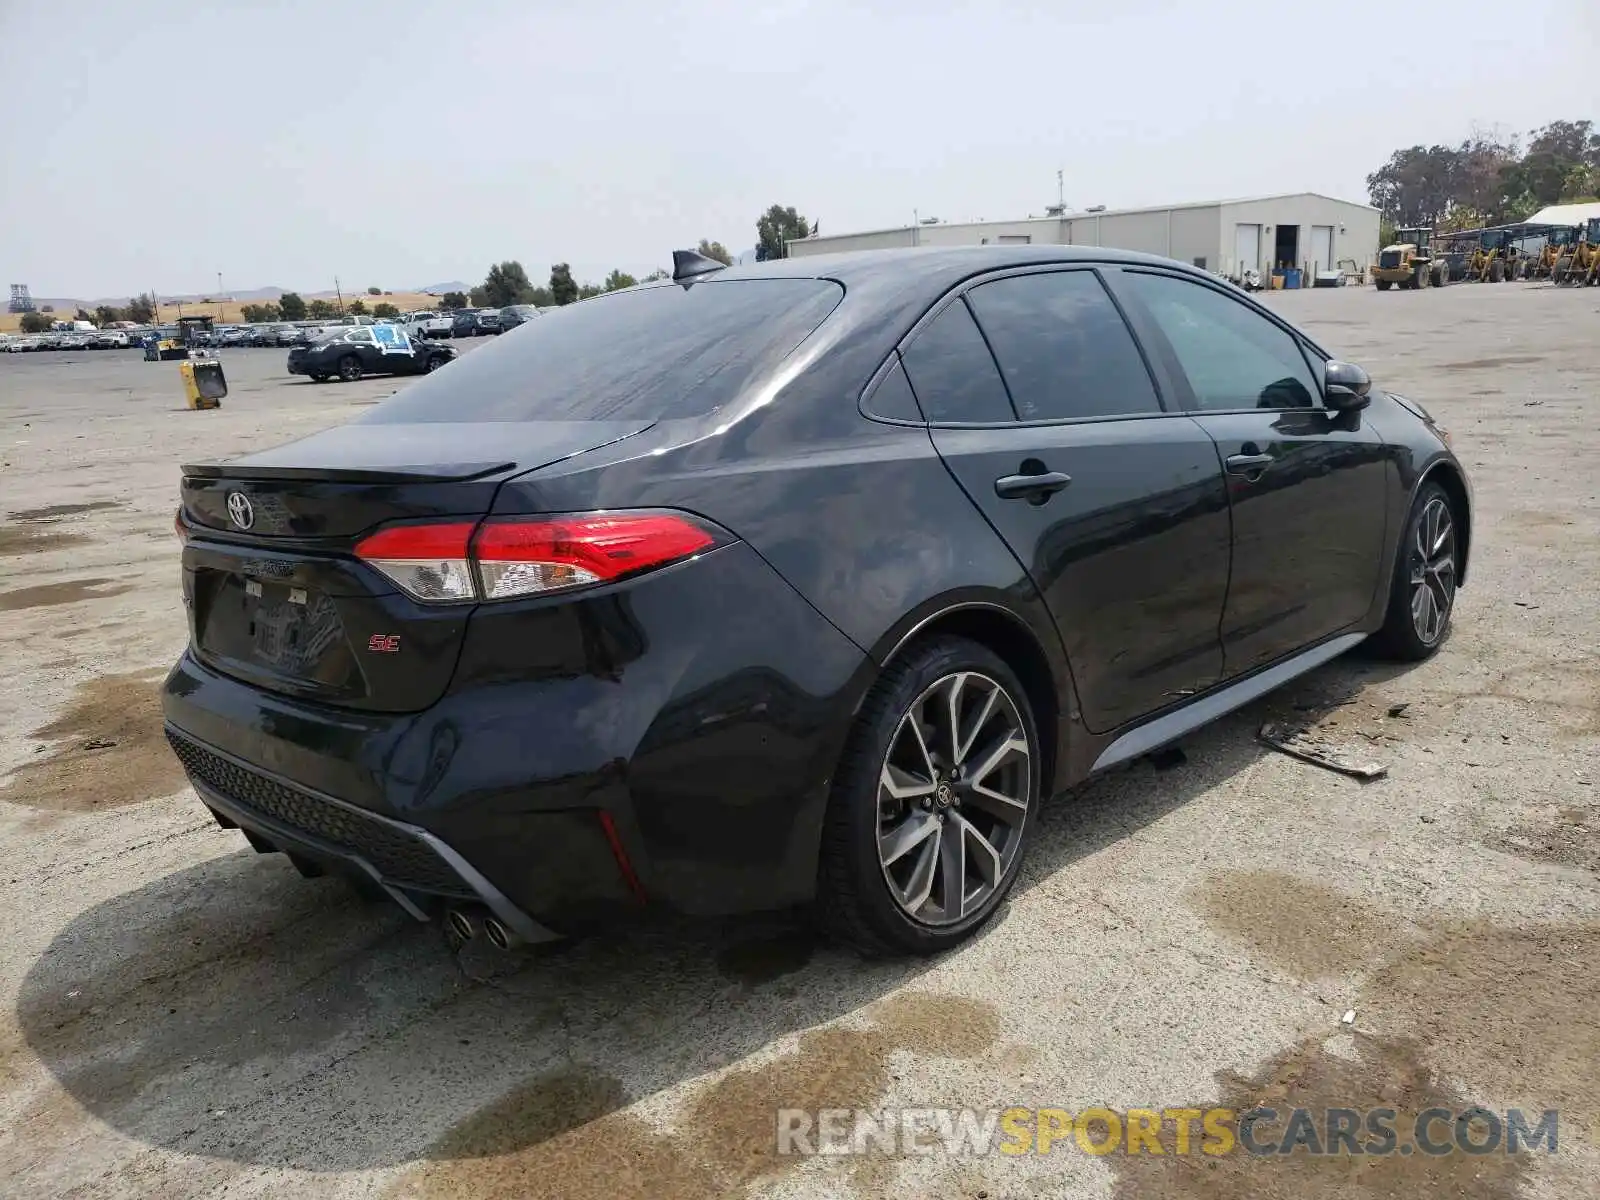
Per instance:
x=1422, y=592
x=350, y=368
x=434, y=363
x=932, y=803
x=1497, y=271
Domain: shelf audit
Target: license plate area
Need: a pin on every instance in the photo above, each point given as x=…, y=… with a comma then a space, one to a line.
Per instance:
x=293, y=632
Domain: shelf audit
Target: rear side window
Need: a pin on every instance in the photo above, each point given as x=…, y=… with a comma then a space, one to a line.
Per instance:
x=953, y=373
x=655, y=353
x=1063, y=347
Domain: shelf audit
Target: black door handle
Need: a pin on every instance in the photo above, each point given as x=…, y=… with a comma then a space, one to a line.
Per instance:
x=1036, y=489
x=1248, y=464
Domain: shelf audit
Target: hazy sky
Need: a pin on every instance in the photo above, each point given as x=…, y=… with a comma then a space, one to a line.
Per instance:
x=402, y=143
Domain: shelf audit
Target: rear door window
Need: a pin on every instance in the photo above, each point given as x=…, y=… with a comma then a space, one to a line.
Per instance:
x=953, y=373
x=1063, y=348
x=652, y=353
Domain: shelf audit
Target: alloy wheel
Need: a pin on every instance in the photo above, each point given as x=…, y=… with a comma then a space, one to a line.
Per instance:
x=953, y=797
x=1433, y=571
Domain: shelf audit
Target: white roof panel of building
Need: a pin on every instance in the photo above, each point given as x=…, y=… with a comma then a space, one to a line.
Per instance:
x=1564, y=214
x=1082, y=215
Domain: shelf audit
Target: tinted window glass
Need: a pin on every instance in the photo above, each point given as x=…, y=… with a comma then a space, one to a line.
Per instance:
x=650, y=354
x=892, y=398
x=1063, y=347
x=363, y=336
x=953, y=372
x=1234, y=357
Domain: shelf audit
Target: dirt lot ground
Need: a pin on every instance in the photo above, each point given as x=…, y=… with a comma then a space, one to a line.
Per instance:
x=179, y=1016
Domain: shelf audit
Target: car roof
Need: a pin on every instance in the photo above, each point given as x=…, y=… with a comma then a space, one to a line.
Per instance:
x=935, y=265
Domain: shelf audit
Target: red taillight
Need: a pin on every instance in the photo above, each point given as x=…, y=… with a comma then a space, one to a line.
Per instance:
x=527, y=556
x=523, y=557
x=428, y=561
x=179, y=527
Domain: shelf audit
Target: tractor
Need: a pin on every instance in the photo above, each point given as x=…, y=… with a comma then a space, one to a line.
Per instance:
x=1580, y=262
x=1558, y=240
x=1495, y=258
x=1409, y=262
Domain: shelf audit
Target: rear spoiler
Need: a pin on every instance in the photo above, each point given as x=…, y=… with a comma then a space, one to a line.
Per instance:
x=421, y=473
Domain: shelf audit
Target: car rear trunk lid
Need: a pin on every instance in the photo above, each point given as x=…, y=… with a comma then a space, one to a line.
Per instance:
x=275, y=593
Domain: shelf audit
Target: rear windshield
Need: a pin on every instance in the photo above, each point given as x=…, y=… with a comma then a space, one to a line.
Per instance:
x=654, y=353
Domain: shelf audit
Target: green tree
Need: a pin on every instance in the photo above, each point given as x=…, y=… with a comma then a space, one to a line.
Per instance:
x=619, y=279
x=451, y=301
x=142, y=309
x=506, y=283
x=372, y=291
x=477, y=297
x=587, y=291
x=105, y=314
x=84, y=315
x=260, y=314
x=540, y=297
x=658, y=273
x=292, y=307
x=385, y=310
x=35, y=322
x=715, y=250
x=320, y=310
x=358, y=308
x=563, y=289
x=774, y=227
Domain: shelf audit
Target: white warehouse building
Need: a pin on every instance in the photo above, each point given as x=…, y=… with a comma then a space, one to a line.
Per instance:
x=1303, y=229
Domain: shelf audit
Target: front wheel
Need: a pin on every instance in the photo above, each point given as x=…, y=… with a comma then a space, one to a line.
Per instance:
x=435, y=361
x=931, y=804
x=350, y=368
x=1422, y=593
x=1383, y=285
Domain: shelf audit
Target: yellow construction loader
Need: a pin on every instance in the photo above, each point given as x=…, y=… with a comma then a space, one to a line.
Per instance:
x=1408, y=261
x=1558, y=240
x=1580, y=262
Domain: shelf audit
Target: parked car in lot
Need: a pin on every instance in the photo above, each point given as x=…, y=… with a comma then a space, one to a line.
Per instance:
x=232, y=335
x=481, y=322
x=289, y=335
x=350, y=353
x=516, y=314
x=808, y=583
x=23, y=345
x=429, y=324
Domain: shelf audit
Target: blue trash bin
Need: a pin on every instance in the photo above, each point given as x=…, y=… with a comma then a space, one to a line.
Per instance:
x=1291, y=277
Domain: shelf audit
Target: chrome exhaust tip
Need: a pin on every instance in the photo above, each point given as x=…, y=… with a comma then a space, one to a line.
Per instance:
x=461, y=925
x=499, y=936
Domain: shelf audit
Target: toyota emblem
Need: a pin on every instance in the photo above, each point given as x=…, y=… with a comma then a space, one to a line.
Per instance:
x=240, y=510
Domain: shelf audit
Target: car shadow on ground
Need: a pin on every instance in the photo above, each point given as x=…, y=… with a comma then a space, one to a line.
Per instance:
x=235, y=1011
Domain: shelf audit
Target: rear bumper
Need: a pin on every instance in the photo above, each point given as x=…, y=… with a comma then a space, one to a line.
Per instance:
x=404, y=860
x=669, y=742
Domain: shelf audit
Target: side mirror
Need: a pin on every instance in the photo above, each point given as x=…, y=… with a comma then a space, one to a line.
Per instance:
x=1345, y=387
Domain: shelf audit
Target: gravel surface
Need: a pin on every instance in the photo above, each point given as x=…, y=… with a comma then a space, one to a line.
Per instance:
x=180, y=1016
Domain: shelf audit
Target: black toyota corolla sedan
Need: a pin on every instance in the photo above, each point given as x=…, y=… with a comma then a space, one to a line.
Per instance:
x=801, y=583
